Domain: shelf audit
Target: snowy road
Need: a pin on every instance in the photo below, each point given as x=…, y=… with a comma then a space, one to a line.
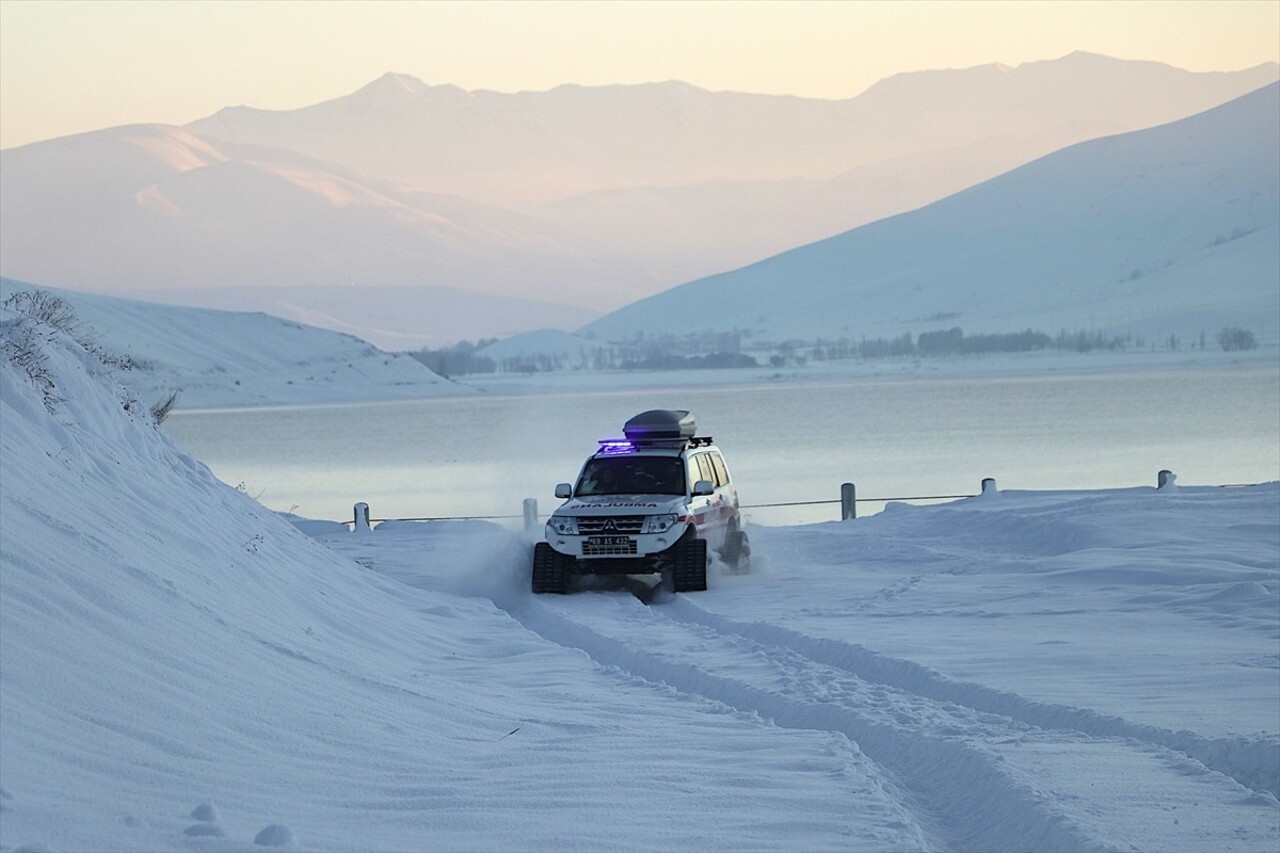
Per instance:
x=957, y=795
x=966, y=775
x=967, y=764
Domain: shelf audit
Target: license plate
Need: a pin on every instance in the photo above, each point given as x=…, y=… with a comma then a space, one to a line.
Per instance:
x=609, y=541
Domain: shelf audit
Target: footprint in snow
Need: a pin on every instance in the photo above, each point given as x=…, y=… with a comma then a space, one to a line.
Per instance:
x=207, y=814
x=275, y=835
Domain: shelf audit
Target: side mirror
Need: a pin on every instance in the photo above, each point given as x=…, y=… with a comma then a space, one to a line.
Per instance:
x=702, y=488
x=564, y=490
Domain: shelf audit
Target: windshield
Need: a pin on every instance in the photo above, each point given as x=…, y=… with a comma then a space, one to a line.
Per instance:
x=632, y=475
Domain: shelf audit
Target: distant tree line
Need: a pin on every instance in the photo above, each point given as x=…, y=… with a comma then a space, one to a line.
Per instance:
x=721, y=350
x=670, y=361
x=1233, y=338
x=535, y=363
x=1087, y=341
x=955, y=342
x=464, y=359
x=943, y=342
x=458, y=360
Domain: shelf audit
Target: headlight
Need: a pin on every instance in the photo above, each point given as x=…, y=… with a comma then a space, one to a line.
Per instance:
x=563, y=524
x=658, y=523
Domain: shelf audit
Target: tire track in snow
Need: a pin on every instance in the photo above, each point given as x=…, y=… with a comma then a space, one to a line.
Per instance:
x=959, y=791
x=1253, y=762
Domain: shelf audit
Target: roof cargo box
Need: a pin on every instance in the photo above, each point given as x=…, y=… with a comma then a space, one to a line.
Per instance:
x=660, y=425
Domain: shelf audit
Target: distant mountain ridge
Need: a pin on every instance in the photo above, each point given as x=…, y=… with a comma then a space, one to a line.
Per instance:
x=542, y=146
x=154, y=210
x=415, y=215
x=1167, y=230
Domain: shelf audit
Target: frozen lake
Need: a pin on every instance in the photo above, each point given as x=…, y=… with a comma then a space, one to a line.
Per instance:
x=784, y=441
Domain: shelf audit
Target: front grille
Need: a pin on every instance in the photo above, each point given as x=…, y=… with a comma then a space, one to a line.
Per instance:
x=610, y=524
x=589, y=550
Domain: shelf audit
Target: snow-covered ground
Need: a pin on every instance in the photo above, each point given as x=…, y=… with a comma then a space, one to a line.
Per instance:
x=182, y=669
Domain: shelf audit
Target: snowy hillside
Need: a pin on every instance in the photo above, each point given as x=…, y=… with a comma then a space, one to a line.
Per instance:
x=391, y=318
x=1172, y=230
x=418, y=215
x=569, y=351
x=690, y=231
x=182, y=670
x=222, y=358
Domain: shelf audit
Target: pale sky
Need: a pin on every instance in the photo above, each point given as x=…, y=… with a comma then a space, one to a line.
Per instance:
x=69, y=66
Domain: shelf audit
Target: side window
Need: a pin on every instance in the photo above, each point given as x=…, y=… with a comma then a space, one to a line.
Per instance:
x=708, y=473
x=695, y=472
x=722, y=476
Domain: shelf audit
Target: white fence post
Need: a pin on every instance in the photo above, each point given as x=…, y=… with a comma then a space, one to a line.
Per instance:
x=360, y=518
x=988, y=485
x=848, y=501
x=530, y=514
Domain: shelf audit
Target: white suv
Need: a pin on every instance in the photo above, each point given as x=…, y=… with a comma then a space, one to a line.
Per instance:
x=655, y=501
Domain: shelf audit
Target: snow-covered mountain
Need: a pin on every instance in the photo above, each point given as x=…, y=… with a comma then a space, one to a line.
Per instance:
x=535, y=209
x=224, y=358
x=155, y=208
x=541, y=146
x=181, y=669
x=686, y=232
x=1170, y=230
x=666, y=182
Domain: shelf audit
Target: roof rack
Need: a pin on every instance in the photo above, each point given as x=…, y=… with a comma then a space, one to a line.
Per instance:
x=626, y=445
x=664, y=428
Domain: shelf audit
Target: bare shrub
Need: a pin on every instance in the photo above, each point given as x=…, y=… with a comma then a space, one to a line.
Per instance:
x=160, y=411
x=25, y=346
x=44, y=307
x=40, y=316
